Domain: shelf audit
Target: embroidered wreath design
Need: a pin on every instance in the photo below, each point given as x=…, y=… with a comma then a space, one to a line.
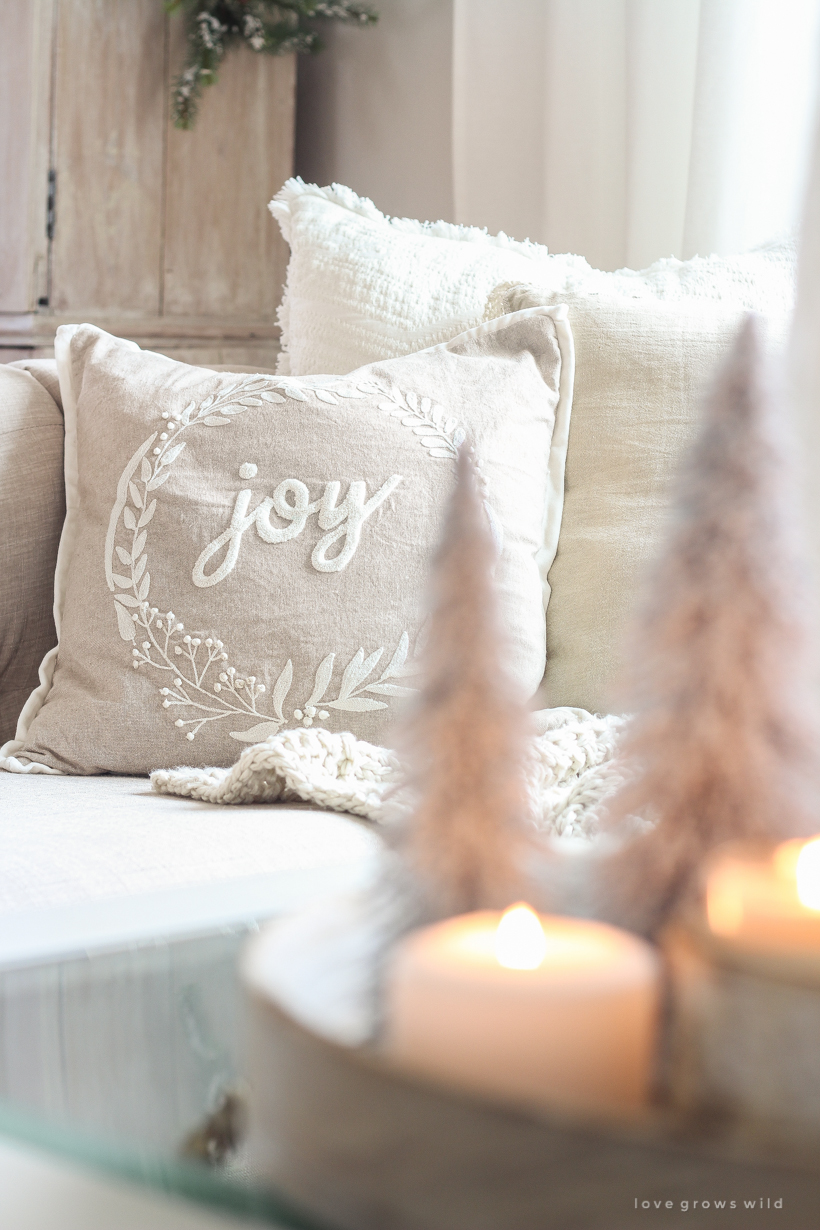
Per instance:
x=201, y=683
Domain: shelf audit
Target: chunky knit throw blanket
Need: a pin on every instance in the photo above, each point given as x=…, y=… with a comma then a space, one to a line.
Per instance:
x=571, y=770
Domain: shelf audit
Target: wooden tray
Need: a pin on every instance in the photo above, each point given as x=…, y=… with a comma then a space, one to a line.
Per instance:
x=366, y=1147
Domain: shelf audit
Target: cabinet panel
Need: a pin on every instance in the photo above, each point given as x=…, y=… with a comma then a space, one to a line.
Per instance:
x=110, y=106
x=25, y=75
x=224, y=255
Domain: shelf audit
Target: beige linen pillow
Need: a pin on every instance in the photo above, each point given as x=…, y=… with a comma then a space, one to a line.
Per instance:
x=641, y=369
x=245, y=553
x=32, y=510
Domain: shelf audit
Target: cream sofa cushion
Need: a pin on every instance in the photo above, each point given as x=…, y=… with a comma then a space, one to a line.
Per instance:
x=641, y=368
x=83, y=839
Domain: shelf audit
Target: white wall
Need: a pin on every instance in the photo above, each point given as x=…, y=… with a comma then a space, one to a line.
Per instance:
x=374, y=109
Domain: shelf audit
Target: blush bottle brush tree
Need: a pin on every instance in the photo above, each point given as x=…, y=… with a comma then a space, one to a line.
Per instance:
x=724, y=742
x=466, y=841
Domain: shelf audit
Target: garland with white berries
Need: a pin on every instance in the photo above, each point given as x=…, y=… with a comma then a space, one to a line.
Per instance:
x=274, y=27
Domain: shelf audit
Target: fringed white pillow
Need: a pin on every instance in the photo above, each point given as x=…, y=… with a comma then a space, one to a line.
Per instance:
x=363, y=287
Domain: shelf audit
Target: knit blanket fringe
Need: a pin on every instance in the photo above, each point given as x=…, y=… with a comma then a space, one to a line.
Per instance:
x=571, y=770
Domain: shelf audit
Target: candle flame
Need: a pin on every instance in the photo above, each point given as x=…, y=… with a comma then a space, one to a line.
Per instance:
x=520, y=942
x=807, y=874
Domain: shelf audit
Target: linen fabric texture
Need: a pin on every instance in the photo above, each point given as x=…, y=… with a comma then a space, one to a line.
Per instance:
x=641, y=370
x=32, y=511
x=362, y=286
x=243, y=554
x=44, y=372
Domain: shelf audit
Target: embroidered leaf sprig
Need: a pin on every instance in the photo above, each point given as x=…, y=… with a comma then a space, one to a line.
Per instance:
x=354, y=683
x=438, y=431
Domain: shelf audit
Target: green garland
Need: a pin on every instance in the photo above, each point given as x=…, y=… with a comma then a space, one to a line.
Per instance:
x=263, y=25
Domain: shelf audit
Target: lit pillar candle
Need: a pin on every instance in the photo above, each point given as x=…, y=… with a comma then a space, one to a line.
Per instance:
x=768, y=903
x=535, y=1010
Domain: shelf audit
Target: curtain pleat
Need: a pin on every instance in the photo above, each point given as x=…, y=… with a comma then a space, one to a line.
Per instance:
x=626, y=130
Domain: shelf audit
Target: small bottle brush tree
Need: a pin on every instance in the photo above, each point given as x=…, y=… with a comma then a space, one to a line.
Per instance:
x=466, y=842
x=724, y=743
x=275, y=27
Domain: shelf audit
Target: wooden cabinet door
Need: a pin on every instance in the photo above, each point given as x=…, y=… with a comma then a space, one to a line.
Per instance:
x=25, y=118
x=158, y=234
x=109, y=127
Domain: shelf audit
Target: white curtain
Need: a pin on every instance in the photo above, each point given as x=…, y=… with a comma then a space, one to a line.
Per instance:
x=804, y=374
x=626, y=130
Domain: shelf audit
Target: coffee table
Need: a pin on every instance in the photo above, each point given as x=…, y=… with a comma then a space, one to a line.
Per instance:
x=121, y=1029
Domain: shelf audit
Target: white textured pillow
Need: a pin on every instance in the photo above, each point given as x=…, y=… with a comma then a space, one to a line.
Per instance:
x=363, y=287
